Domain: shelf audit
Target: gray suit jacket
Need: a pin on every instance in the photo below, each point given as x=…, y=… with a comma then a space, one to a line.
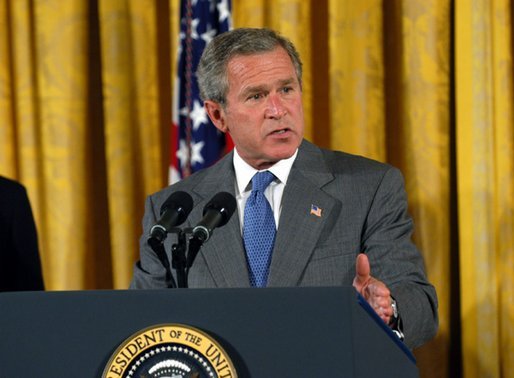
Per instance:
x=364, y=209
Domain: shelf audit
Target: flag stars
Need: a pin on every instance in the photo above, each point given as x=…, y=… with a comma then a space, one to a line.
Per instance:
x=183, y=154
x=198, y=145
x=223, y=10
x=209, y=34
x=198, y=115
x=194, y=26
x=196, y=153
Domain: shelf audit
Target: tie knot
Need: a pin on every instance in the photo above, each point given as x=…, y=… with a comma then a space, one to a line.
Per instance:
x=261, y=180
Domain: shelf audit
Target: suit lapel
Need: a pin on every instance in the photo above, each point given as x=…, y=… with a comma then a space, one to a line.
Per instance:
x=299, y=230
x=224, y=251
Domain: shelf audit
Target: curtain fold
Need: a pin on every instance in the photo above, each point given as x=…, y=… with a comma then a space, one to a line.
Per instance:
x=356, y=72
x=48, y=59
x=485, y=184
x=418, y=142
x=85, y=111
x=132, y=133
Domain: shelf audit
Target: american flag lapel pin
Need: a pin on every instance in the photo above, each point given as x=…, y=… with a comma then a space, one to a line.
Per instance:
x=315, y=210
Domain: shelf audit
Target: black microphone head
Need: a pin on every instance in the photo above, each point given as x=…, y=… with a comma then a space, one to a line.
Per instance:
x=223, y=202
x=180, y=201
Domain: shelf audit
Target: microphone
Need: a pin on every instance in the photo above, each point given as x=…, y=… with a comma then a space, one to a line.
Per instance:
x=174, y=211
x=216, y=213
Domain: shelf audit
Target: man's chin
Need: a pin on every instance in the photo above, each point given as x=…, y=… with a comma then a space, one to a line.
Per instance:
x=282, y=155
x=272, y=160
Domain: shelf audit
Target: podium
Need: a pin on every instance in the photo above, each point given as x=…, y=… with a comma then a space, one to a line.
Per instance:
x=272, y=332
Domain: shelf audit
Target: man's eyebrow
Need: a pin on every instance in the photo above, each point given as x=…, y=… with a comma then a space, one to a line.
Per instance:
x=286, y=81
x=254, y=89
x=265, y=87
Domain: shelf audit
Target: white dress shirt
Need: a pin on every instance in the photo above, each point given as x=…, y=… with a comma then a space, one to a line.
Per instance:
x=274, y=191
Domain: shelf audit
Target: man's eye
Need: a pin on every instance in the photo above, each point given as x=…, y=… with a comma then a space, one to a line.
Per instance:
x=287, y=89
x=256, y=96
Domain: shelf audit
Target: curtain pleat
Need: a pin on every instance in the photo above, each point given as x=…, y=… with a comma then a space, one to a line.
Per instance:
x=132, y=132
x=356, y=75
x=47, y=61
x=418, y=142
x=485, y=187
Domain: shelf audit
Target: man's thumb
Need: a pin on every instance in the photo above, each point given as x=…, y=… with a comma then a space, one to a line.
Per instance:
x=362, y=270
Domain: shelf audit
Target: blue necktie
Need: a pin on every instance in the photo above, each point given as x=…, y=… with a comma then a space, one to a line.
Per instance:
x=259, y=230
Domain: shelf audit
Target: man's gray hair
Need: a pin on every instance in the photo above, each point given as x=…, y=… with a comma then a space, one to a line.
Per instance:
x=212, y=70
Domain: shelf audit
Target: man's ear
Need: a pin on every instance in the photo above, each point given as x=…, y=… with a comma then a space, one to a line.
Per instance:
x=217, y=115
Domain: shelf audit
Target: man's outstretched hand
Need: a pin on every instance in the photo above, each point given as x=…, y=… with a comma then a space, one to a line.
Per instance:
x=374, y=291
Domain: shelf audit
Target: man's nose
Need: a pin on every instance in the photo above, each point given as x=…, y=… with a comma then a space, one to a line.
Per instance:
x=274, y=107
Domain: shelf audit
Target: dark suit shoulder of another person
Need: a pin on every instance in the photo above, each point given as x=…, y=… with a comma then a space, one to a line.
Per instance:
x=20, y=266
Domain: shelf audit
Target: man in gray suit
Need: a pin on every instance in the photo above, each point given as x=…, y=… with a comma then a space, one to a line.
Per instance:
x=340, y=219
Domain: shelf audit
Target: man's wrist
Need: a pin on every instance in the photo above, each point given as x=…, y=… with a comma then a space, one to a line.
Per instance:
x=396, y=322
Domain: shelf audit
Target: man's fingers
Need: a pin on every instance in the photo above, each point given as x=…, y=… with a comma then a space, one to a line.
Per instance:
x=376, y=292
x=379, y=297
x=383, y=309
x=379, y=290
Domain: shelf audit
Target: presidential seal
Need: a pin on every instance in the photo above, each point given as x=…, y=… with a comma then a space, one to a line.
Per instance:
x=171, y=351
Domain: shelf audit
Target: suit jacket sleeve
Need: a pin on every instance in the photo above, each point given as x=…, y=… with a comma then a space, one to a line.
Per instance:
x=396, y=261
x=149, y=272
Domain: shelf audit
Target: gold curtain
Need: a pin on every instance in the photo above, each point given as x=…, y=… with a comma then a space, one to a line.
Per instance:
x=426, y=85
x=84, y=105
x=485, y=157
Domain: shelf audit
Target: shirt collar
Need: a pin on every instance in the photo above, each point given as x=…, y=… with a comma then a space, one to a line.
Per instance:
x=245, y=172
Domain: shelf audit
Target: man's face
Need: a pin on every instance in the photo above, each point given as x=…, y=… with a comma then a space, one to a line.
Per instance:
x=263, y=111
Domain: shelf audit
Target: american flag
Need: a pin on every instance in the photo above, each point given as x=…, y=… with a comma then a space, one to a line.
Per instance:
x=195, y=142
x=315, y=210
